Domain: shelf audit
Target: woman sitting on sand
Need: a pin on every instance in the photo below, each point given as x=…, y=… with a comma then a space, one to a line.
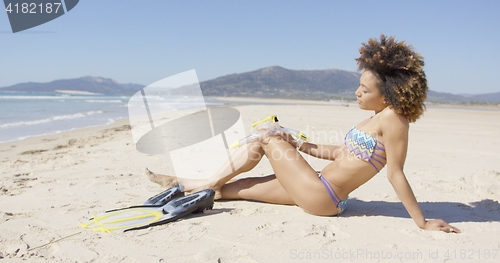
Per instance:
x=394, y=86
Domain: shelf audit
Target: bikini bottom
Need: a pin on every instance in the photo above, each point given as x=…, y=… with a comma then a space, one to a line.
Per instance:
x=341, y=205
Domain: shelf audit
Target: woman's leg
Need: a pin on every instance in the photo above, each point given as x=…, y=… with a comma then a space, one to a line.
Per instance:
x=297, y=178
x=266, y=189
x=295, y=182
x=242, y=160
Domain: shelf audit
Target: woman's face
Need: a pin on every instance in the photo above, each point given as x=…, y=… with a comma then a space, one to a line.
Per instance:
x=368, y=93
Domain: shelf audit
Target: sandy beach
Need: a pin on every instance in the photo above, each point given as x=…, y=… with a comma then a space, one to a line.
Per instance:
x=50, y=183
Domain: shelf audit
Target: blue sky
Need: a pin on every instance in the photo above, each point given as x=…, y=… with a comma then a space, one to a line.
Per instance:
x=145, y=41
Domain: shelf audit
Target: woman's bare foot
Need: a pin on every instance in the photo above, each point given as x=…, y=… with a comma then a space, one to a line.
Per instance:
x=163, y=180
x=218, y=193
x=190, y=186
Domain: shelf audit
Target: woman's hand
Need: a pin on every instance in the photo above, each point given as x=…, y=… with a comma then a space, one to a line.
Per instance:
x=440, y=225
x=266, y=137
x=287, y=138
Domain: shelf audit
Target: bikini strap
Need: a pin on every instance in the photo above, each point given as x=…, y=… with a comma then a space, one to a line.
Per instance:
x=330, y=190
x=379, y=156
x=370, y=161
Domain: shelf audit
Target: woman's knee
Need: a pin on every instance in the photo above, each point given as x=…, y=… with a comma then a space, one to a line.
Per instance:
x=276, y=140
x=255, y=151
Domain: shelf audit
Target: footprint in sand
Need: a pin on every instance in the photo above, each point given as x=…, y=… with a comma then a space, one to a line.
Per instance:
x=294, y=230
x=249, y=211
x=224, y=254
x=239, y=212
x=186, y=230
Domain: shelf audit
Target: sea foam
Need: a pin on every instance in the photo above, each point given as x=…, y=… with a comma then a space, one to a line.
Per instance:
x=50, y=119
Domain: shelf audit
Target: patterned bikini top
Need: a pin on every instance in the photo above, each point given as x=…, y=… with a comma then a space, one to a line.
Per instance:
x=363, y=146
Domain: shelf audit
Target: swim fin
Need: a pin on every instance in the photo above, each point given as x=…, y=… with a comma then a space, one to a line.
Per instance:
x=158, y=200
x=165, y=196
x=138, y=217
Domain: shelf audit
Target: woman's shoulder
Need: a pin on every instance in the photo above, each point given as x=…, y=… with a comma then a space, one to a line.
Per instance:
x=393, y=127
x=389, y=118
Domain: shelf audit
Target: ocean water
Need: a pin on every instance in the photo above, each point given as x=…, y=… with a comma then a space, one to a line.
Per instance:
x=27, y=115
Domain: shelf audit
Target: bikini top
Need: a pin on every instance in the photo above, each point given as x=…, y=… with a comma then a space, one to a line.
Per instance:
x=363, y=146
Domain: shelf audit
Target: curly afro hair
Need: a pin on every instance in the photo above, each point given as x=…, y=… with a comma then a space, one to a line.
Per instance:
x=400, y=70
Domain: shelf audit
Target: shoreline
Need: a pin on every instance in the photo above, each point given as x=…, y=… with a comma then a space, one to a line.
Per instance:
x=271, y=100
x=251, y=102
x=350, y=102
x=77, y=92
x=63, y=131
x=463, y=106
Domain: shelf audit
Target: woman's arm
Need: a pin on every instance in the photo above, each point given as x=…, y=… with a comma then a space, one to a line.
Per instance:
x=326, y=152
x=395, y=132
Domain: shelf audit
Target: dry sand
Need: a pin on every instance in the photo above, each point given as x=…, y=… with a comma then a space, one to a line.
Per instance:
x=50, y=183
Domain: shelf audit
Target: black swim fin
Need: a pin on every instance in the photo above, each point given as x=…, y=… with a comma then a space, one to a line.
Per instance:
x=138, y=217
x=165, y=196
x=155, y=201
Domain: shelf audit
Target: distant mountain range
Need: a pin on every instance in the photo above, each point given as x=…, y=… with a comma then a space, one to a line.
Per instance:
x=440, y=97
x=278, y=82
x=92, y=85
x=270, y=82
